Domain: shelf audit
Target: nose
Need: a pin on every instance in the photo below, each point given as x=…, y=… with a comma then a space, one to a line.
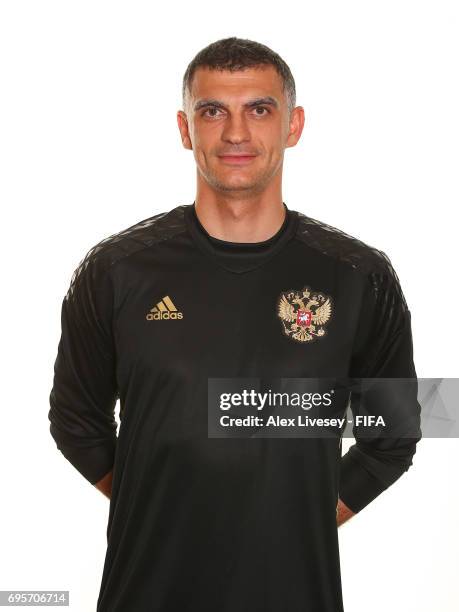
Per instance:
x=236, y=130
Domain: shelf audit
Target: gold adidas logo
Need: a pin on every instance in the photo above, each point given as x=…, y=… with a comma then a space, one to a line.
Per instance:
x=164, y=309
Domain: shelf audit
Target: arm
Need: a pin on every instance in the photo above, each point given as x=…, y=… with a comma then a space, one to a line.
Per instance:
x=383, y=349
x=84, y=392
x=343, y=513
x=105, y=484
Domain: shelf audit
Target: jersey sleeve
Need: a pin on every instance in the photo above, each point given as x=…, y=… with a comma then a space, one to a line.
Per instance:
x=383, y=348
x=84, y=391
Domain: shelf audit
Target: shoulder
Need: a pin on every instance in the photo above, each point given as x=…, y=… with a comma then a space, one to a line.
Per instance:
x=111, y=249
x=337, y=244
x=142, y=234
x=373, y=264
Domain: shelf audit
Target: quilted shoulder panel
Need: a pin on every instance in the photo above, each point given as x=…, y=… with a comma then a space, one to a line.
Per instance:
x=141, y=235
x=368, y=260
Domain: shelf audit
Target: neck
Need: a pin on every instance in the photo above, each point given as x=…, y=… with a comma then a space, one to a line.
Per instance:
x=249, y=219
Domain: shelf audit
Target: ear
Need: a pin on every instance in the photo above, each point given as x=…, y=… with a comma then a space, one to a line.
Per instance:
x=296, y=125
x=182, y=122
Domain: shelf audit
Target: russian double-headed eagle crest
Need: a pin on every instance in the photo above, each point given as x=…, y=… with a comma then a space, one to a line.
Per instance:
x=304, y=313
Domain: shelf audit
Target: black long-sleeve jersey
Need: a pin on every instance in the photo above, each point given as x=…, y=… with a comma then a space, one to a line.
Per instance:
x=212, y=524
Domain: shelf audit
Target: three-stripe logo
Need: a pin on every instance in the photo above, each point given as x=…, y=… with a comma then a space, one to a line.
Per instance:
x=164, y=309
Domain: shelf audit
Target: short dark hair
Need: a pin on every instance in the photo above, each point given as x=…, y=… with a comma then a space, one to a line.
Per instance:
x=236, y=54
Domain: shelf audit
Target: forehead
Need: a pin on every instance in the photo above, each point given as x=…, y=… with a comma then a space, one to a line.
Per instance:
x=248, y=82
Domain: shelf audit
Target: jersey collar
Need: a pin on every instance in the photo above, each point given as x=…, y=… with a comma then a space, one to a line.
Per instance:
x=240, y=256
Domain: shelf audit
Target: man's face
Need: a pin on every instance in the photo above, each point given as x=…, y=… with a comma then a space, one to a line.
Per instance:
x=238, y=125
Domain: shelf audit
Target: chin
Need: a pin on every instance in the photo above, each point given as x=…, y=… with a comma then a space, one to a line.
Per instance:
x=235, y=185
x=225, y=183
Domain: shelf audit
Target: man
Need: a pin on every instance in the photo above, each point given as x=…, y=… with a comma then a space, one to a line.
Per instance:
x=235, y=285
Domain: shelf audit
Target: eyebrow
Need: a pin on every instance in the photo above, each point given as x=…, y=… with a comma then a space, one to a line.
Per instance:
x=267, y=100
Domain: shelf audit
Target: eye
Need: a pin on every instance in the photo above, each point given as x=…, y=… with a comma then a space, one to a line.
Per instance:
x=210, y=108
x=261, y=108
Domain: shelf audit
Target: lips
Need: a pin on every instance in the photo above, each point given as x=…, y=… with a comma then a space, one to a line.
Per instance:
x=239, y=158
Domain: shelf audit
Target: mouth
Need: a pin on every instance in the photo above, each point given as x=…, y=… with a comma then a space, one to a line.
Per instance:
x=236, y=160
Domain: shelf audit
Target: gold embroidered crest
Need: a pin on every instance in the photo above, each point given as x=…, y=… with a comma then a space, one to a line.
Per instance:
x=304, y=313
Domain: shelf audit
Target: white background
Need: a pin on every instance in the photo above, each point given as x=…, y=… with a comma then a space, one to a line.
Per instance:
x=89, y=145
